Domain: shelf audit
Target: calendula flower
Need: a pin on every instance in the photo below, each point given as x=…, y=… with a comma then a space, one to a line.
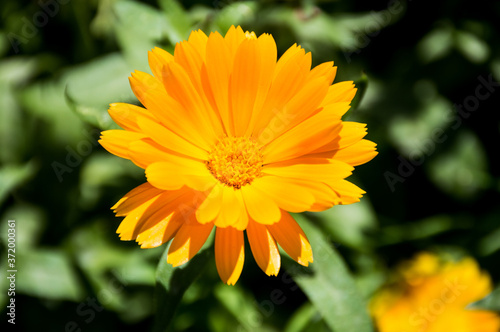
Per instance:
x=232, y=138
x=432, y=295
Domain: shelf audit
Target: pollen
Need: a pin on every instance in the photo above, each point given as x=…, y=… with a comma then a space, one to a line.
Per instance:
x=235, y=161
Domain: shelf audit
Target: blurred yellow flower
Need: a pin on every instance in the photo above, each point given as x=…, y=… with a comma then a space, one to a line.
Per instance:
x=431, y=295
x=232, y=138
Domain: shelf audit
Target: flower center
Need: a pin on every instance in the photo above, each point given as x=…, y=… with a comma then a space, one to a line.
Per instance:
x=235, y=161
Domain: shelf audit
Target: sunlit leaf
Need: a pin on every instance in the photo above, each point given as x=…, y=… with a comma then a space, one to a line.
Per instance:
x=12, y=176
x=490, y=302
x=329, y=285
x=241, y=305
x=172, y=283
x=349, y=224
x=48, y=274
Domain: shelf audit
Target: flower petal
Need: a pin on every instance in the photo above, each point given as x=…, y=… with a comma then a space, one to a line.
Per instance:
x=218, y=65
x=188, y=241
x=117, y=141
x=264, y=248
x=306, y=137
x=260, y=206
x=232, y=208
x=229, y=254
x=315, y=169
x=170, y=140
x=126, y=115
x=158, y=58
x=179, y=171
x=244, y=84
x=134, y=198
x=209, y=209
x=292, y=239
x=172, y=114
x=287, y=193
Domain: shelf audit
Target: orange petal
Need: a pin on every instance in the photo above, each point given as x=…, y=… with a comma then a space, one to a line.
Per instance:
x=259, y=205
x=170, y=140
x=181, y=88
x=209, y=209
x=231, y=209
x=316, y=169
x=218, y=66
x=326, y=70
x=349, y=134
x=289, y=194
x=117, y=141
x=264, y=248
x=358, y=153
x=160, y=233
x=172, y=114
x=292, y=239
x=229, y=254
x=244, y=84
x=188, y=241
x=158, y=58
x=125, y=115
x=340, y=92
x=267, y=55
x=134, y=198
x=304, y=104
x=306, y=137
x=178, y=172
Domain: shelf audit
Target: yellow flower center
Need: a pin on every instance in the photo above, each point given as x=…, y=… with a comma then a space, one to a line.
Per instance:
x=235, y=161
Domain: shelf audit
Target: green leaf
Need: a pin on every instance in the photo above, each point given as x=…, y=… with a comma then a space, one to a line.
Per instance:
x=472, y=47
x=361, y=84
x=172, y=283
x=47, y=274
x=490, y=302
x=138, y=28
x=178, y=22
x=240, y=305
x=329, y=285
x=12, y=176
x=349, y=224
x=95, y=116
x=306, y=318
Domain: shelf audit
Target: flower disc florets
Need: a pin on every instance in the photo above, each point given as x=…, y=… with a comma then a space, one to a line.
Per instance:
x=235, y=161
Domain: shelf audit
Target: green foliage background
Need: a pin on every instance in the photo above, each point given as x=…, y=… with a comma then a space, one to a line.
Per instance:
x=434, y=185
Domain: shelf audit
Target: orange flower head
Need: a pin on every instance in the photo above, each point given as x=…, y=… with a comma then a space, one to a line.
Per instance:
x=432, y=295
x=233, y=138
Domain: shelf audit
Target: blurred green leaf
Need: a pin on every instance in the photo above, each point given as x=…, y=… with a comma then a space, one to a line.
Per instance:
x=138, y=28
x=490, y=243
x=348, y=224
x=47, y=273
x=462, y=171
x=178, y=22
x=30, y=223
x=235, y=13
x=419, y=229
x=329, y=285
x=94, y=116
x=306, y=319
x=241, y=306
x=472, y=47
x=490, y=302
x=361, y=84
x=436, y=44
x=12, y=176
x=172, y=283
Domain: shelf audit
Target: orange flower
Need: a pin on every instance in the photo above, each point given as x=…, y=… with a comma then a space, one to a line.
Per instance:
x=431, y=295
x=230, y=137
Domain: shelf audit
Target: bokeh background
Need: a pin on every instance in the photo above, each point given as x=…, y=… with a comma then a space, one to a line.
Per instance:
x=427, y=76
